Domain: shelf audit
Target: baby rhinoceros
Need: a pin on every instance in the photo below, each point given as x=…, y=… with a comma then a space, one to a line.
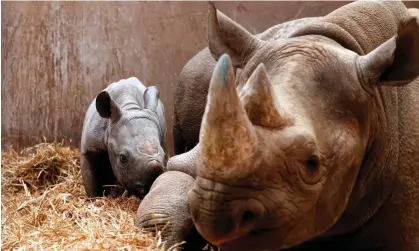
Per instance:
x=123, y=139
x=165, y=208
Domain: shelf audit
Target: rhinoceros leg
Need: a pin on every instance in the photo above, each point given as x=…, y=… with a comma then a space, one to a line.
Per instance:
x=165, y=208
x=185, y=163
x=97, y=173
x=179, y=143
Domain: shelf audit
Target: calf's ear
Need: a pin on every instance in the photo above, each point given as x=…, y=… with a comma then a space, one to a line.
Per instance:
x=395, y=62
x=227, y=37
x=107, y=107
x=151, y=98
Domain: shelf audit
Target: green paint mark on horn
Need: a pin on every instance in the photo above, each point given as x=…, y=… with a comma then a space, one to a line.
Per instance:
x=224, y=69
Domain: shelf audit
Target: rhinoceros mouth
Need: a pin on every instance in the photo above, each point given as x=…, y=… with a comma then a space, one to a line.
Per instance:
x=261, y=239
x=139, y=194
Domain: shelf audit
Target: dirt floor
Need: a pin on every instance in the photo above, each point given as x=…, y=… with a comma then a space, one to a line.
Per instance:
x=44, y=206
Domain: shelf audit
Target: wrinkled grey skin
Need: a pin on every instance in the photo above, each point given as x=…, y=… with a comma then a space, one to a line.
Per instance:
x=165, y=208
x=192, y=90
x=317, y=148
x=124, y=139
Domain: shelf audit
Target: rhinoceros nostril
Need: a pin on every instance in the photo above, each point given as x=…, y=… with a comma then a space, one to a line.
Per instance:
x=248, y=217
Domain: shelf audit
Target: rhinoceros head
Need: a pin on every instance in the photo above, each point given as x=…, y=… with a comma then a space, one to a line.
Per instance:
x=135, y=141
x=279, y=155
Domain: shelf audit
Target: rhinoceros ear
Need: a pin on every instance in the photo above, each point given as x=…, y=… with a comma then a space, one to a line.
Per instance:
x=260, y=102
x=151, y=98
x=107, y=107
x=227, y=136
x=395, y=62
x=226, y=36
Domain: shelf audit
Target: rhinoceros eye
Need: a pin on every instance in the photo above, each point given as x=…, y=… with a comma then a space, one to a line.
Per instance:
x=313, y=163
x=123, y=158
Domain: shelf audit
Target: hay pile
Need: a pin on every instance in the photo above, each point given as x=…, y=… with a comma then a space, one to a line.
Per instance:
x=44, y=206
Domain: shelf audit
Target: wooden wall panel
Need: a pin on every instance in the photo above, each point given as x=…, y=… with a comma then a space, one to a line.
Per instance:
x=56, y=56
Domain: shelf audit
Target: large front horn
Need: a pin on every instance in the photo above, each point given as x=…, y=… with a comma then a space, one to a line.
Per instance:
x=227, y=136
x=259, y=100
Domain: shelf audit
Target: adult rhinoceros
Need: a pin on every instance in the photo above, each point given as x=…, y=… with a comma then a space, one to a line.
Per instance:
x=318, y=147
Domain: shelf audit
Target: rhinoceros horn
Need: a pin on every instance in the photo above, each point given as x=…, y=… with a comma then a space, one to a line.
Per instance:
x=227, y=136
x=259, y=100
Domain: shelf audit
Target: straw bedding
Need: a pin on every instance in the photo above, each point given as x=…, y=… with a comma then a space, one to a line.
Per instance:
x=44, y=206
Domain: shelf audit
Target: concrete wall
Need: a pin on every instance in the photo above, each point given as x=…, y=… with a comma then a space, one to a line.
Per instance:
x=57, y=56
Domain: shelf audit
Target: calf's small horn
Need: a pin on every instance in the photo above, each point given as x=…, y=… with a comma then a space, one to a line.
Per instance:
x=226, y=135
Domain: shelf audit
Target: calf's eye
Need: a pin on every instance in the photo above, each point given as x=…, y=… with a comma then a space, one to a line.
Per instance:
x=123, y=158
